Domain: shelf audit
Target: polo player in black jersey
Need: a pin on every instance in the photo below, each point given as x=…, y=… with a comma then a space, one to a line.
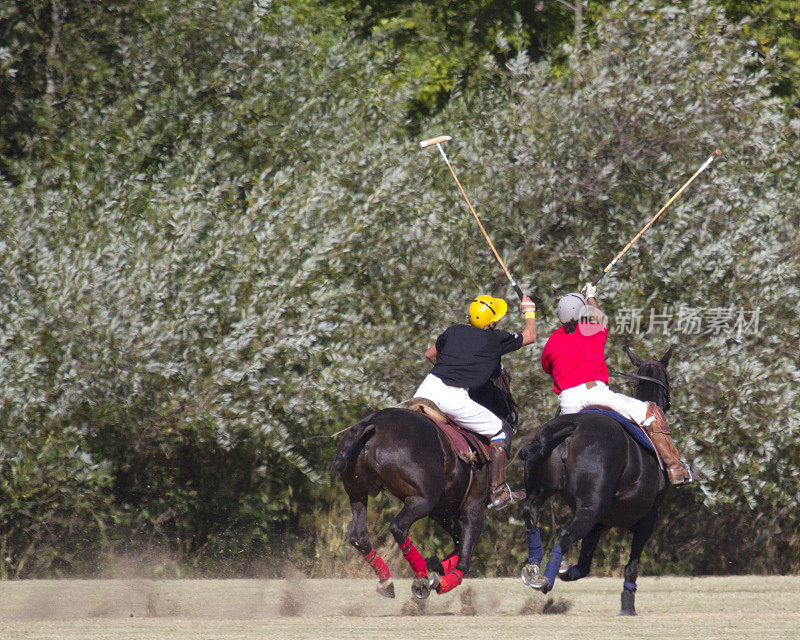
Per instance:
x=466, y=356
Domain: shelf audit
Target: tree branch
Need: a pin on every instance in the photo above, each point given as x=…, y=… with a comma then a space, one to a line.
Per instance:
x=566, y=4
x=56, y=17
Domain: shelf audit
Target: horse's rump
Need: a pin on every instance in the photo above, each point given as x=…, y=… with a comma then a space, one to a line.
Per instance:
x=414, y=429
x=352, y=442
x=578, y=432
x=548, y=437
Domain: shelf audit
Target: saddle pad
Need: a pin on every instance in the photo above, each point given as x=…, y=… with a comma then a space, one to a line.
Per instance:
x=467, y=445
x=635, y=432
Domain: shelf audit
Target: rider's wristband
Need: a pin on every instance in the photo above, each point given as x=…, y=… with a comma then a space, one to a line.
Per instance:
x=530, y=315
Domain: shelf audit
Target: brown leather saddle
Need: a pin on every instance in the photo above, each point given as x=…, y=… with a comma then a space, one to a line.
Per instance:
x=468, y=445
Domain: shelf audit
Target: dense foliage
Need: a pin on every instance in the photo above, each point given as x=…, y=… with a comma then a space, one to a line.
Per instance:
x=221, y=244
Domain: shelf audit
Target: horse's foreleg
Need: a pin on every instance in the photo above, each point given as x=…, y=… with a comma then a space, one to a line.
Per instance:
x=588, y=545
x=450, y=562
x=535, y=552
x=359, y=538
x=642, y=531
x=453, y=526
x=475, y=517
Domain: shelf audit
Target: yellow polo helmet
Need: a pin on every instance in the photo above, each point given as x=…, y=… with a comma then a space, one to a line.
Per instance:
x=485, y=309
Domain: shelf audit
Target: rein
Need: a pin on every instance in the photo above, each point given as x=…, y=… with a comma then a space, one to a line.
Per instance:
x=636, y=376
x=640, y=378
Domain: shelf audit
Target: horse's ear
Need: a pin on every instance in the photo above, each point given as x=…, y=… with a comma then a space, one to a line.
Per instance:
x=665, y=358
x=636, y=360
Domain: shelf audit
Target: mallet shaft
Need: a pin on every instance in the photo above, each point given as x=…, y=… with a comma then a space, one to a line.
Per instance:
x=655, y=217
x=438, y=142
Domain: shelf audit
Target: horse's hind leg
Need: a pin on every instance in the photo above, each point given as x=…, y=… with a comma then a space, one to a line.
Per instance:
x=642, y=531
x=588, y=546
x=414, y=508
x=443, y=567
x=460, y=561
x=359, y=538
x=586, y=516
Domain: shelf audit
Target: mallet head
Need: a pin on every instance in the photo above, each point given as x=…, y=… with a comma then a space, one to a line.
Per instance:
x=437, y=140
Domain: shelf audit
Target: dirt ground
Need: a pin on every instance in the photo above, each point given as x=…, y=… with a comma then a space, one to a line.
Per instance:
x=680, y=608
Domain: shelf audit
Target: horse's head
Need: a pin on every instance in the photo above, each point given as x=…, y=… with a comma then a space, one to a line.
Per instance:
x=496, y=396
x=652, y=379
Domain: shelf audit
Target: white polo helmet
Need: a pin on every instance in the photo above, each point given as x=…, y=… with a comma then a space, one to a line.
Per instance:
x=571, y=307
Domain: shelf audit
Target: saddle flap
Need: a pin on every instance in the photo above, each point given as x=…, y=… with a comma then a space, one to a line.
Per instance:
x=468, y=445
x=633, y=430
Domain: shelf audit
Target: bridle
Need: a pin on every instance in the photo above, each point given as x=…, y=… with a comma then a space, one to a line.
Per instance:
x=641, y=378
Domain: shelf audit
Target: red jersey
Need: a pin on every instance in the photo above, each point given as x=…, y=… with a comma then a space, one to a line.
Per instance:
x=577, y=357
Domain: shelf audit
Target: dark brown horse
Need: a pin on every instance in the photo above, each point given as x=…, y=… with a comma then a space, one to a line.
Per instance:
x=604, y=475
x=404, y=453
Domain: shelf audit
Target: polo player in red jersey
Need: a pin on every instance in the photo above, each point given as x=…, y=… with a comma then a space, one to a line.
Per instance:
x=466, y=356
x=575, y=358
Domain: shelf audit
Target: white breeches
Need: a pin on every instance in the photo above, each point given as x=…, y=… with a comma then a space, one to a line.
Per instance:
x=574, y=399
x=456, y=403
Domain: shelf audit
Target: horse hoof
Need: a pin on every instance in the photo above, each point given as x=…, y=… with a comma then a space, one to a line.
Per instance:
x=386, y=588
x=564, y=568
x=540, y=583
x=529, y=572
x=421, y=587
x=628, y=604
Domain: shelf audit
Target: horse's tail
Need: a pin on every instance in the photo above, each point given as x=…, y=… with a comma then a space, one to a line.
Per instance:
x=550, y=435
x=352, y=443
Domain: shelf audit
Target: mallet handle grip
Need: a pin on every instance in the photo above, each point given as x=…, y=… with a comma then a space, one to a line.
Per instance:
x=437, y=140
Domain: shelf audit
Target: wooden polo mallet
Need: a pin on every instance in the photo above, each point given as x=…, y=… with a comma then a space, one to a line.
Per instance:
x=655, y=217
x=438, y=142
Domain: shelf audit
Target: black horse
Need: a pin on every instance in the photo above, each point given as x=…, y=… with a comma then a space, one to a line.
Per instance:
x=604, y=475
x=404, y=453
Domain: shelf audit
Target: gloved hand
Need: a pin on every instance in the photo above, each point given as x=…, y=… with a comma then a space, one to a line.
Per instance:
x=527, y=305
x=589, y=290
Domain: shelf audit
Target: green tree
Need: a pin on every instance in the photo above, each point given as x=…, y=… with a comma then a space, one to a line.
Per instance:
x=774, y=30
x=234, y=248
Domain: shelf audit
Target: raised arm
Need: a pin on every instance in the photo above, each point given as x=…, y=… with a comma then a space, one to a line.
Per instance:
x=528, y=308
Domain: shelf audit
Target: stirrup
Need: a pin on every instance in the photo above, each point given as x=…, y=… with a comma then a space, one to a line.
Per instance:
x=678, y=476
x=506, y=497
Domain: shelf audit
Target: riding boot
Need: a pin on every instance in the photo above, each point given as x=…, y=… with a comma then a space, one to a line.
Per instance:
x=657, y=428
x=501, y=495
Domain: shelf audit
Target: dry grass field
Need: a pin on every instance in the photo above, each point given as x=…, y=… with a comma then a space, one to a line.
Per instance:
x=486, y=609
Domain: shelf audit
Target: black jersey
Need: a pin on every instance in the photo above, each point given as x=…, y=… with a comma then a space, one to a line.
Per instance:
x=468, y=356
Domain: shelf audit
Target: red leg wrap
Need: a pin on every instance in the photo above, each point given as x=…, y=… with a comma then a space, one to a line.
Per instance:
x=450, y=581
x=450, y=562
x=414, y=558
x=378, y=565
